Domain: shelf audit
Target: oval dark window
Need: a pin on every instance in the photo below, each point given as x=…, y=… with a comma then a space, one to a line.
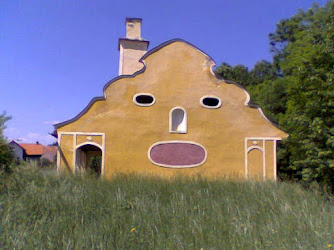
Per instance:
x=211, y=102
x=144, y=99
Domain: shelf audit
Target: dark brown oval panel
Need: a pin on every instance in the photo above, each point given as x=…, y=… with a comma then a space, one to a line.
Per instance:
x=177, y=154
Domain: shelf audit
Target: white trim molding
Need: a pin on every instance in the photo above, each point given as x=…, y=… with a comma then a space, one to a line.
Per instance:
x=89, y=143
x=101, y=146
x=177, y=166
x=275, y=160
x=264, y=138
x=264, y=159
x=58, y=153
x=254, y=147
x=80, y=133
x=264, y=156
x=183, y=131
x=247, y=97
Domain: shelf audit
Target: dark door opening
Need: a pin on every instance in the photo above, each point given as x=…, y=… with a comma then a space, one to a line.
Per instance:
x=89, y=159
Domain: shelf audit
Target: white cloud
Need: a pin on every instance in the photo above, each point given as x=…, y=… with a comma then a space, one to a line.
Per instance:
x=21, y=139
x=51, y=122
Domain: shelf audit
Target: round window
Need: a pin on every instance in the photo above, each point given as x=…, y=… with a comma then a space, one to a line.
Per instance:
x=143, y=99
x=211, y=102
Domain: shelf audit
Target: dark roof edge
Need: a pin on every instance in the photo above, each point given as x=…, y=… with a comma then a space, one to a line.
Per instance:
x=17, y=144
x=250, y=103
x=254, y=105
x=133, y=19
x=157, y=48
x=96, y=99
x=102, y=98
x=61, y=124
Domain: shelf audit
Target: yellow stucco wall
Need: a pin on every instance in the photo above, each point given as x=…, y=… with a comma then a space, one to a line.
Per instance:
x=255, y=164
x=270, y=171
x=66, y=156
x=177, y=74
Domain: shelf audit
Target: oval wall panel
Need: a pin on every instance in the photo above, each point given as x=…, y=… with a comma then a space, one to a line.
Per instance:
x=177, y=154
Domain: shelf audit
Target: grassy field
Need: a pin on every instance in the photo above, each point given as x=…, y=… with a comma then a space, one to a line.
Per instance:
x=40, y=210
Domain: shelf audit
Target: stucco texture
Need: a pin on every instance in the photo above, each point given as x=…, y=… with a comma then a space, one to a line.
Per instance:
x=177, y=75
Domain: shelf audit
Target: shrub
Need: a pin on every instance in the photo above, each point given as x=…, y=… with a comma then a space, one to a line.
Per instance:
x=42, y=210
x=6, y=158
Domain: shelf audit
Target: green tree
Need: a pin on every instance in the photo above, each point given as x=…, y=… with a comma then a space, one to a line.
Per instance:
x=297, y=91
x=307, y=65
x=238, y=73
x=6, y=154
x=263, y=71
x=264, y=84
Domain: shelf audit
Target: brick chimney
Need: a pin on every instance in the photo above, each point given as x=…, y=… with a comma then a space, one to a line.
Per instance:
x=131, y=48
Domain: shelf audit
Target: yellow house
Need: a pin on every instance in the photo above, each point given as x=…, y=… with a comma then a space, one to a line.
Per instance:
x=167, y=114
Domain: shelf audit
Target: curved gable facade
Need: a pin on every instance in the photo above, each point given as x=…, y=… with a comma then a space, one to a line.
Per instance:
x=172, y=117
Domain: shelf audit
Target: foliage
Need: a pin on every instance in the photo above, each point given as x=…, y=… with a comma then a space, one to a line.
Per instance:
x=3, y=119
x=95, y=164
x=6, y=154
x=262, y=71
x=55, y=143
x=238, y=73
x=6, y=158
x=307, y=65
x=297, y=92
x=46, y=163
x=42, y=210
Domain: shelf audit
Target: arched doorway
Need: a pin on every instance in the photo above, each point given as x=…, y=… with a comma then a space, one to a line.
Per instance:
x=88, y=159
x=255, y=163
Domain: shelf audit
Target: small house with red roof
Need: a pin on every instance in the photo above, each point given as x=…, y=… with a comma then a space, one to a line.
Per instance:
x=33, y=151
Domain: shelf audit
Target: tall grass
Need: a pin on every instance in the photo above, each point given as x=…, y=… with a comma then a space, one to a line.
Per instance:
x=41, y=210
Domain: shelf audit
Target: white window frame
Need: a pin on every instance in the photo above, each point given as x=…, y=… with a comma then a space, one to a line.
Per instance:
x=143, y=104
x=171, y=121
x=211, y=107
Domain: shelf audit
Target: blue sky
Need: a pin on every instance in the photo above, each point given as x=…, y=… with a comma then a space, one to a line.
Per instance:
x=56, y=55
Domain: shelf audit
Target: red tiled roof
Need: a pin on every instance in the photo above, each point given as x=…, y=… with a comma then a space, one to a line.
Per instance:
x=32, y=149
x=50, y=149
